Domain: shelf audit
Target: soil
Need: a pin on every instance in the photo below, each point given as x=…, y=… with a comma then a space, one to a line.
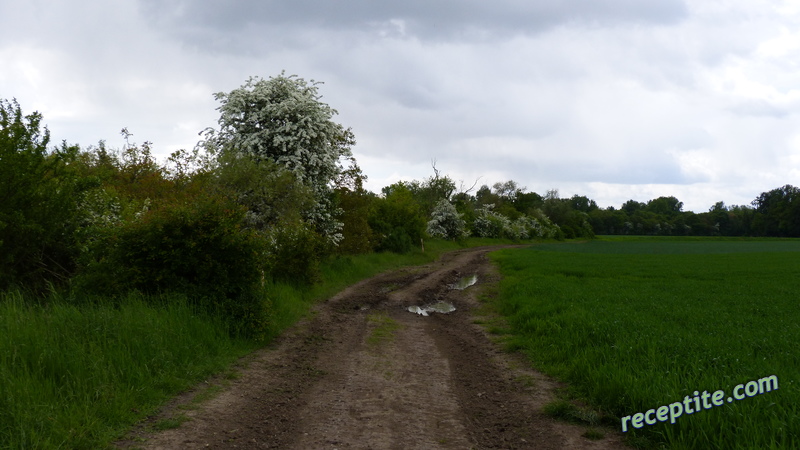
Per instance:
x=362, y=372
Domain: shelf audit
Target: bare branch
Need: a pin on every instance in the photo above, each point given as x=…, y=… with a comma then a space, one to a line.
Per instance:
x=461, y=188
x=435, y=170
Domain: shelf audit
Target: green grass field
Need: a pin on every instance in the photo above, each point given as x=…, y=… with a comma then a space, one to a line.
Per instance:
x=634, y=324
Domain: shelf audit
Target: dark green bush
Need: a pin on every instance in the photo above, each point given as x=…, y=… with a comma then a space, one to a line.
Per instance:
x=357, y=236
x=397, y=220
x=294, y=254
x=37, y=203
x=196, y=248
x=397, y=241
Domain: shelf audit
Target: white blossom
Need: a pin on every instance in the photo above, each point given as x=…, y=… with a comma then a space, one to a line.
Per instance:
x=489, y=223
x=283, y=120
x=446, y=222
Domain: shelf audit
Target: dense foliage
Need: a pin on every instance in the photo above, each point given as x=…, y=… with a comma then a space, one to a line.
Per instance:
x=775, y=213
x=38, y=192
x=213, y=227
x=397, y=219
x=282, y=119
x=446, y=222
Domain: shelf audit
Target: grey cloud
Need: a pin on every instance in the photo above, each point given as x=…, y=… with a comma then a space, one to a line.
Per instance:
x=424, y=19
x=417, y=96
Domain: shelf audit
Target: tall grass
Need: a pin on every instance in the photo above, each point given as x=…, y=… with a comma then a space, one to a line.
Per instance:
x=76, y=373
x=635, y=325
x=76, y=376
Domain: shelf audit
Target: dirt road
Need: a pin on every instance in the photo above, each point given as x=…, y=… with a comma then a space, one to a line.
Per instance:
x=365, y=373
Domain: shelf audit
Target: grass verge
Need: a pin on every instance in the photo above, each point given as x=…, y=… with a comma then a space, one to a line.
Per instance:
x=76, y=376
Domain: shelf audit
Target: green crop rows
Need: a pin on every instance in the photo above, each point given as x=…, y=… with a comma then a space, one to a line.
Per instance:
x=632, y=325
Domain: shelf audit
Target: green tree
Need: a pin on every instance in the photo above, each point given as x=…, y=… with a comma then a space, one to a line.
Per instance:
x=508, y=190
x=430, y=191
x=740, y=218
x=38, y=206
x=396, y=219
x=667, y=206
x=272, y=195
x=355, y=202
x=646, y=222
x=778, y=212
x=557, y=209
x=485, y=196
x=608, y=221
x=718, y=215
x=527, y=202
x=572, y=223
x=507, y=193
x=631, y=206
x=508, y=199
x=466, y=205
x=193, y=245
x=697, y=224
x=582, y=203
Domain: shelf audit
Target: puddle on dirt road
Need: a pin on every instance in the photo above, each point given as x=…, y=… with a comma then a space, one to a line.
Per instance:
x=418, y=310
x=445, y=307
x=441, y=307
x=438, y=307
x=464, y=282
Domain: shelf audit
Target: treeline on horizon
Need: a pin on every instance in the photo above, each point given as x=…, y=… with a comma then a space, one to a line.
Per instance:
x=775, y=213
x=265, y=198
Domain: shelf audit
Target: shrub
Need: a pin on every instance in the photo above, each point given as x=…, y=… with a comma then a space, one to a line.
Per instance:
x=446, y=222
x=544, y=227
x=397, y=241
x=488, y=223
x=355, y=203
x=294, y=253
x=37, y=203
x=197, y=248
x=357, y=235
x=520, y=228
x=271, y=194
x=396, y=220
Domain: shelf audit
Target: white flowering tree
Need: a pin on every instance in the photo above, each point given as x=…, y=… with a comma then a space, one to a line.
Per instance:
x=489, y=223
x=542, y=226
x=446, y=222
x=282, y=119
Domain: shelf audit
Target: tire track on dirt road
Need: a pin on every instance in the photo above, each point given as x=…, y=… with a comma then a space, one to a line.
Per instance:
x=362, y=372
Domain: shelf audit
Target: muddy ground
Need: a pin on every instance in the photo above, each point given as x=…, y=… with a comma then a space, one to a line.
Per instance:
x=362, y=372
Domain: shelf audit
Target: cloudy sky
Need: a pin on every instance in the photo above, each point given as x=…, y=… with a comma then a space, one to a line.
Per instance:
x=612, y=99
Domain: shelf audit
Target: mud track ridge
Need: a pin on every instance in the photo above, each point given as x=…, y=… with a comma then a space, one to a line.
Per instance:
x=362, y=372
